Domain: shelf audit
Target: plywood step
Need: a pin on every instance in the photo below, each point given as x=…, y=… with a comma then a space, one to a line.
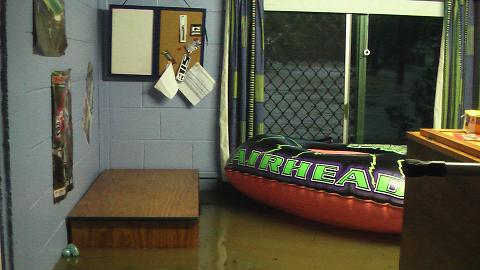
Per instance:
x=138, y=209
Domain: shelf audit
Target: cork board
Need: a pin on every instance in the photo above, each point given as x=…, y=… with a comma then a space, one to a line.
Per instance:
x=170, y=38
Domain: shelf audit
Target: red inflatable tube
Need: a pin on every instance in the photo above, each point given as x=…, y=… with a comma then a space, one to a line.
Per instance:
x=321, y=206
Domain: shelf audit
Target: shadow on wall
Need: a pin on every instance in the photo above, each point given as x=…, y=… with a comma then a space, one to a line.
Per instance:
x=162, y=100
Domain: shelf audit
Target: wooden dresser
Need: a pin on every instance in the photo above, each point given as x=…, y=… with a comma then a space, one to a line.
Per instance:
x=441, y=227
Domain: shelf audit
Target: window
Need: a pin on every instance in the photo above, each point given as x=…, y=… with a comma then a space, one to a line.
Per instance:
x=353, y=77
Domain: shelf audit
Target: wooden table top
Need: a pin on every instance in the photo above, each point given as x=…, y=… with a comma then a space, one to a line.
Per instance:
x=441, y=147
x=141, y=194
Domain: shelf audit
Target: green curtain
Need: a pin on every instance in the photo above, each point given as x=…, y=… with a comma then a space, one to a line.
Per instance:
x=245, y=70
x=460, y=64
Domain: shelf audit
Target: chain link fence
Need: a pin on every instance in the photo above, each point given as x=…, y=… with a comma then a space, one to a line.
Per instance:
x=304, y=75
x=304, y=100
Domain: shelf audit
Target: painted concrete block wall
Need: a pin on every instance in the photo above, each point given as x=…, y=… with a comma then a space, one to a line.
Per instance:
x=39, y=225
x=147, y=130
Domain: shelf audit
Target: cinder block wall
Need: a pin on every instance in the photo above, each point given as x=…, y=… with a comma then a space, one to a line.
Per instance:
x=147, y=130
x=133, y=125
x=39, y=231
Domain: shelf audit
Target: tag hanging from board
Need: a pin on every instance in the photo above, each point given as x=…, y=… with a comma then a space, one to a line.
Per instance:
x=182, y=69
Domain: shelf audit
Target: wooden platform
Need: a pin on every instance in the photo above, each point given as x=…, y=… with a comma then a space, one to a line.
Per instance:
x=137, y=209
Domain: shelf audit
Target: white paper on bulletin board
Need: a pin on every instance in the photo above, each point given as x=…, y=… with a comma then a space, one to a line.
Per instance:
x=132, y=36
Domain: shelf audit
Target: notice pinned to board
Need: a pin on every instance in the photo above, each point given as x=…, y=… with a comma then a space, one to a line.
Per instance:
x=167, y=83
x=197, y=84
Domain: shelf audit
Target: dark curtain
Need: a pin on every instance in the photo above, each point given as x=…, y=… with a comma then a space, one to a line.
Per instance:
x=245, y=71
x=461, y=68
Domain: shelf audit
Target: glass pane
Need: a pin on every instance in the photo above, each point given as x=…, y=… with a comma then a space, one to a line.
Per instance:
x=304, y=74
x=401, y=76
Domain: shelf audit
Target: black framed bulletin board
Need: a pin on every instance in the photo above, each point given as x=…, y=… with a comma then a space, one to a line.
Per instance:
x=141, y=40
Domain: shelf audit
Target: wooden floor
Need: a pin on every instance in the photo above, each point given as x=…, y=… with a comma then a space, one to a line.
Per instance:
x=138, y=209
x=236, y=233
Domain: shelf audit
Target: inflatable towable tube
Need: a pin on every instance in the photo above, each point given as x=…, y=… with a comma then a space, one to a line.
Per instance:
x=354, y=186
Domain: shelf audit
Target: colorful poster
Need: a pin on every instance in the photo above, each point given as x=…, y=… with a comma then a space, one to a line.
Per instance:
x=62, y=137
x=49, y=33
x=88, y=103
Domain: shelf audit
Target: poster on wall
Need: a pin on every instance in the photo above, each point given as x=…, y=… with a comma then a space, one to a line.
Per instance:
x=49, y=33
x=62, y=135
x=88, y=103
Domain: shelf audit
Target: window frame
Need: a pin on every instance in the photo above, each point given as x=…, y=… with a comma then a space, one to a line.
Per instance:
x=385, y=7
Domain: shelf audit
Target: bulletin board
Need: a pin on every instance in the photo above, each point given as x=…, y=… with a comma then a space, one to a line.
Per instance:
x=169, y=36
x=138, y=37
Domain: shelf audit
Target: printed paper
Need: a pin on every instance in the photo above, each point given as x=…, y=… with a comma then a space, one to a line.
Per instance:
x=197, y=84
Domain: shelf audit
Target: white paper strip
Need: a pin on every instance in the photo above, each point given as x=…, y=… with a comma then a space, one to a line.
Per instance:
x=183, y=28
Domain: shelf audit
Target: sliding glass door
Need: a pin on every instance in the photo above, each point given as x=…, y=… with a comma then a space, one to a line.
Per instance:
x=352, y=77
x=396, y=60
